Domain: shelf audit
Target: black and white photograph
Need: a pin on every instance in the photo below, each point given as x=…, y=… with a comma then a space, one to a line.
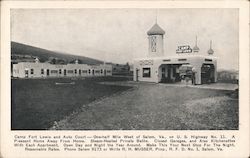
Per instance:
x=124, y=68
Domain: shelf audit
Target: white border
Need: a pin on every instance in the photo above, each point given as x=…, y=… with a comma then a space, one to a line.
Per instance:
x=242, y=135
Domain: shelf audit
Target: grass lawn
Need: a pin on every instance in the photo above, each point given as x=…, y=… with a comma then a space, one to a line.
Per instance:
x=37, y=103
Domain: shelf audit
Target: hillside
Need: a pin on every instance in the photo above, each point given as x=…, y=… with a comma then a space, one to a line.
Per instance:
x=46, y=55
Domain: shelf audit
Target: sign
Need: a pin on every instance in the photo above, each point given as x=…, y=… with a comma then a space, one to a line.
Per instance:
x=184, y=49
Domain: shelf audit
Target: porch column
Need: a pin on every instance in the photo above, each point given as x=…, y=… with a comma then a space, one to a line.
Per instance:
x=215, y=72
x=172, y=72
x=198, y=75
x=159, y=73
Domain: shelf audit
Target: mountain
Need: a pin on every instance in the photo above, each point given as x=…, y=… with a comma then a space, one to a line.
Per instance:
x=19, y=50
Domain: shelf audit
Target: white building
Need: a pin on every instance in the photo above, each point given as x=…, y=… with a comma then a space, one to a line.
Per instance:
x=38, y=70
x=158, y=67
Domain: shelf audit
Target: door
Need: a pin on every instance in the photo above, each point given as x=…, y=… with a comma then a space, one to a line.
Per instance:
x=26, y=73
x=47, y=72
x=169, y=73
x=163, y=73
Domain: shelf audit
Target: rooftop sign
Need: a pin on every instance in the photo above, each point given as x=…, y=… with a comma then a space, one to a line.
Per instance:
x=184, y=49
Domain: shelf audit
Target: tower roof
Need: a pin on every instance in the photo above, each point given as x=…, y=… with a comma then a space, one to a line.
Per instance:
x=196, y=48
x=210, y=51
x=156, y=30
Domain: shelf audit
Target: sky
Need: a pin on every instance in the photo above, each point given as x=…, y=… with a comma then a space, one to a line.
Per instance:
x=119, y=35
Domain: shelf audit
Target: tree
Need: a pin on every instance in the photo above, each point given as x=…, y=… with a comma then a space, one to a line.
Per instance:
x=52, y=60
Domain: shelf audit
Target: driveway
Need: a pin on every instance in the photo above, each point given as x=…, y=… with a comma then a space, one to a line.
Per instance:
x=157, y=107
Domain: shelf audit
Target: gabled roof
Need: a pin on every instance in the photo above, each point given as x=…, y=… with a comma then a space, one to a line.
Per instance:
x=156, y=30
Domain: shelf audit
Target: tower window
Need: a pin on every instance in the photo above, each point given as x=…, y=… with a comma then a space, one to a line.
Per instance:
x=153, y=43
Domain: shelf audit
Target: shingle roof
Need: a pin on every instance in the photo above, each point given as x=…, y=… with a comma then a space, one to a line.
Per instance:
x=156, y=30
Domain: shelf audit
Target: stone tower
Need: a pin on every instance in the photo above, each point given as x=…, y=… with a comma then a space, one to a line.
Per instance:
x=155, y=38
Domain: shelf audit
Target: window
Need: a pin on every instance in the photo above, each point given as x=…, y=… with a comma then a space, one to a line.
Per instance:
x=208, y=60
x=84, y=71
x=26, y=72
x=153, y=43
x=16, y=71
x=101, y=71
x=182, y=59
x=42, y=71
x=79, y=72
x=108, y=71
x=97, y=71
x=89, y=71
x=70, y=71
x=146, y=72
x=75, y=71
x=60, y=71
x=167, y=60
x=54, y=71
x=31, y=71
